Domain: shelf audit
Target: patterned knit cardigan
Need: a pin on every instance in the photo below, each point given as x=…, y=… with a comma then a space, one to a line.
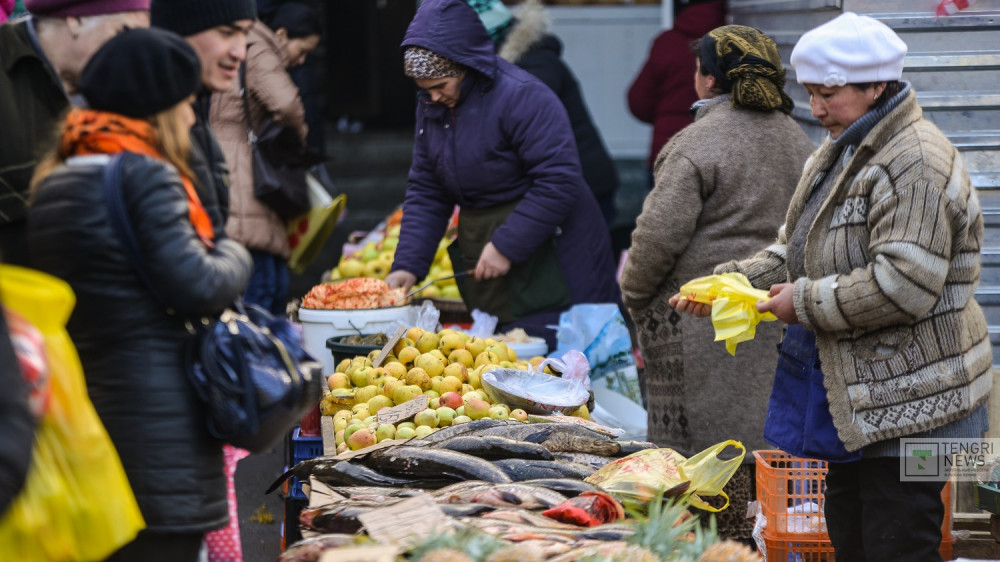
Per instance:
x=893, y=263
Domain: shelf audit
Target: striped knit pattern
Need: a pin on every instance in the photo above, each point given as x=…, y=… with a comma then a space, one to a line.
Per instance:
x=892, y=263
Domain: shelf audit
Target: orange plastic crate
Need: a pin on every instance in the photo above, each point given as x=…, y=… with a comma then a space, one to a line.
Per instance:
x=785, y=481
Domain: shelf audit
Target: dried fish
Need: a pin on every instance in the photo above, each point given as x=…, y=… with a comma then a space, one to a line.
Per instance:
x=493, y=447
x=520, y=470
x=587, y=459
x=427, y=463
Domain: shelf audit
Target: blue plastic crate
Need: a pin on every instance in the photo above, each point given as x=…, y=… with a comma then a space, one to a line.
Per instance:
x=305, y=448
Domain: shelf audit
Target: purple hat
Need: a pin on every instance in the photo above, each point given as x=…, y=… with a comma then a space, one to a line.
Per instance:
x=75, y=8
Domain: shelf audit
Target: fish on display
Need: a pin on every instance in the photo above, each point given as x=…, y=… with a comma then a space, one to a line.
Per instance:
x=369, y=491
x=568, y=487
x=310, y=550
x=628, y=447
x=473, y=426
x=524, y=517
x=337, y=517
x=466, y=509
x=506, y=495
x=593, y=461
x=577, y=442
x=520, y=469
x=431, y=463
x=492, y=447
x=346, y=473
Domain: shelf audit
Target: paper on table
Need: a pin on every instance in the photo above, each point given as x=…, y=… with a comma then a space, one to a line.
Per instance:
x=406, y=522
x=320, y=494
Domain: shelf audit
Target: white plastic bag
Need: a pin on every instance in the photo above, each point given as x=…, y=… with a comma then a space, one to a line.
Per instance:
x=599, y=331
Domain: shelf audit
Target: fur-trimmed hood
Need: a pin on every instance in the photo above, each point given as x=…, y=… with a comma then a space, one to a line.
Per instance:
x=531, y=30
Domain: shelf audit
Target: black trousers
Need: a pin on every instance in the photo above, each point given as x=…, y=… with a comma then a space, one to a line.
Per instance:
x=160, y=547
x=872, y=516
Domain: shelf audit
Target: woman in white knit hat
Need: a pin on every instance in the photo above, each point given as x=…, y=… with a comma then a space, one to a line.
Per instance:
x=874, y=273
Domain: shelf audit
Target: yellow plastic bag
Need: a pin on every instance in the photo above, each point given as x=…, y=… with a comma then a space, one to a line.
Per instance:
x=76, y=503
x=639, y=478
x=734, y=306
x=308, y=233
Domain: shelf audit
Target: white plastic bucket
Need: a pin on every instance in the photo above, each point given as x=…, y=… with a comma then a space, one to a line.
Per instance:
x=320, y=325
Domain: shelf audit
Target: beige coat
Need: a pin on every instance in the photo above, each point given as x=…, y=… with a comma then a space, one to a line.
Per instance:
x=892, y=264
x=722, y=188
x=273, y=93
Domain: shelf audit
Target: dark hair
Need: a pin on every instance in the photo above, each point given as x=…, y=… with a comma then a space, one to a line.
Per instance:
x=892, y=87
x=297, y=19
x=721, y=86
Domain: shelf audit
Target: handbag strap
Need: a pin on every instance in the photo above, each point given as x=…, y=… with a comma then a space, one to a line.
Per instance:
x=245, y=94
x=114, y=198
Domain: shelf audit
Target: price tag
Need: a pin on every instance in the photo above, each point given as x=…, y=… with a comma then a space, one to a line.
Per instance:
x=405, y=523
x=404, y=411
x=387, y=348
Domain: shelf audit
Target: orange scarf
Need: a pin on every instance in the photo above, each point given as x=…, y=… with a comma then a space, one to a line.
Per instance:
x=98, y=132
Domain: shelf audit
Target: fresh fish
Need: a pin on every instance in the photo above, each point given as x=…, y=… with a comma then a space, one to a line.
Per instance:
x=586, y=459
x=575, y=442
x=507, y=495
x=465, y=509
x=473, y=426
x=568, y=487
x=302, y=471
x=368, y=491
x=310, y=550
x=520, y=470
x=458, y=487
x=524, y=517
x=493, y=447
x=345, y=473
x=629, y=447
x=425, y=462
x=554, y=436
x=335, y=518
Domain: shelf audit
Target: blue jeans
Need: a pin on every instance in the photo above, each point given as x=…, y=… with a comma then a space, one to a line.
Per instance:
x=268, y=286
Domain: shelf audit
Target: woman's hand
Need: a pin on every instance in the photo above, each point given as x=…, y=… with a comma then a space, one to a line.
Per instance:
x=401, y=278
x=682, y=305
x=491, y=263
x=782, y=303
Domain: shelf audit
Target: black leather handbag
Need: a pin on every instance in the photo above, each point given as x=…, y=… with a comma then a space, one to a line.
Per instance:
x=248, y=367
x=279, y=178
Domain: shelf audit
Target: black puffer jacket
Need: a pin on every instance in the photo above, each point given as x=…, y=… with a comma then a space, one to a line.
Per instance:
x=130, y=348
x=208, y=164
x=529, y=45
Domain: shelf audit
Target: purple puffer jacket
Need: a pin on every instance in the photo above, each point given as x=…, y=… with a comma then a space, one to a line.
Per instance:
x=507, y=138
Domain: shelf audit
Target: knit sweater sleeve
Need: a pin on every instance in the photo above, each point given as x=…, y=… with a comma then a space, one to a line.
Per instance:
x=763, y=269
x=912, y=224
x=664, y=228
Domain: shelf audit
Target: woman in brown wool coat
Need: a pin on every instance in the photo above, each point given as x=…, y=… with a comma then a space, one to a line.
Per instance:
x=722, y=186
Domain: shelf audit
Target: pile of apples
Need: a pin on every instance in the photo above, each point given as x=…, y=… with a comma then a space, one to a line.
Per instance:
x=375, y=260
x=445, y=366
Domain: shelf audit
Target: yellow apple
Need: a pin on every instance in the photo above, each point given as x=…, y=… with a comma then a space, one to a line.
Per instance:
x=376, y=269
x=429, y=363
x=413, y=334
x=475, y=346
x=457, y=370
x=427, y=342
x=463, y=356
x=408, y=355
x=350, y=267
x=419, y=377
x=395, y=369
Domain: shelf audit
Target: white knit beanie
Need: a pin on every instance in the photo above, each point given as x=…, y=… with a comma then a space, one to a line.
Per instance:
x=849, y=49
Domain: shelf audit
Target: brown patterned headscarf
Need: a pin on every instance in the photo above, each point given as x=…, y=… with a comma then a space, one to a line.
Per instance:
x=746, y=62
x=421, y=64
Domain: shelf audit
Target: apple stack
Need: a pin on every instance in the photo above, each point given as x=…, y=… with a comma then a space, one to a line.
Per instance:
x=445, y=366
x=375, y=260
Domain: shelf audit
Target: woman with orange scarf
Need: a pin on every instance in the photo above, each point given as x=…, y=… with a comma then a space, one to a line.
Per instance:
x=139, y=88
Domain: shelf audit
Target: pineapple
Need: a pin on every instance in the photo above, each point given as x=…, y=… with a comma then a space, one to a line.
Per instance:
x=729, y=551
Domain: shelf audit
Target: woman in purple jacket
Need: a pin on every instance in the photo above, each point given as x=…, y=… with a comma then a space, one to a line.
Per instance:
x=495, y=141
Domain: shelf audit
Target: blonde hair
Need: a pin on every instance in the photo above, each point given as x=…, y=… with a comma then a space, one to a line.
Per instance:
x=172, y=138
